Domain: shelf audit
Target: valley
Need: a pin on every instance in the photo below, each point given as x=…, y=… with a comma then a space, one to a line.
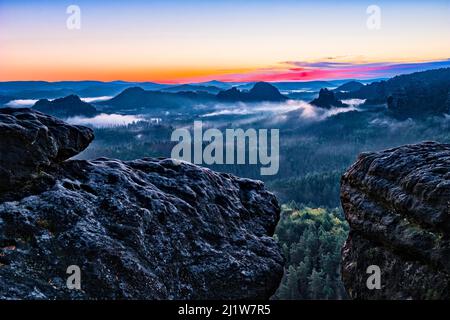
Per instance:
x=323, y=126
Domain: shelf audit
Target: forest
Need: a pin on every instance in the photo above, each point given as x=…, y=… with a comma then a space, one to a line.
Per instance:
x=313, y=156
x=311, y=239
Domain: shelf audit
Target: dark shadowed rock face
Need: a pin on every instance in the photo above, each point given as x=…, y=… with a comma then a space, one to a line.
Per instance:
x=30, y=140
x=397, y=205
x=327, y=100
x=144, y=229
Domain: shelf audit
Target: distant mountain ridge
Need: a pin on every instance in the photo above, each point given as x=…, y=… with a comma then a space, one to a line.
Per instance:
x=418, y=94
x=193, y=88
x=50, y=90
x=93, y=88
x=136, y=98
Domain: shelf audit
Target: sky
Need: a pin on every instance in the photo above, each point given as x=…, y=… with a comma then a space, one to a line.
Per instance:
x=194, y=40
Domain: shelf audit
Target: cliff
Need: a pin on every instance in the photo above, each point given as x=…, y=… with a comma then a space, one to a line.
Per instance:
x=143, y=229
x=397, y=204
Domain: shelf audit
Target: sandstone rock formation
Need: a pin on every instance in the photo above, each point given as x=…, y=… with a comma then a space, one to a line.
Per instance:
x=397, y=204
x=30, y=141
x=143, y=229
x=261, y=91
x=66, y=107
x=327, y=100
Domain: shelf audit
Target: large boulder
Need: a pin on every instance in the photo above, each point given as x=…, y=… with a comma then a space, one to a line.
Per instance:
x=397, y=204
x=143, y=229
x=31, y=140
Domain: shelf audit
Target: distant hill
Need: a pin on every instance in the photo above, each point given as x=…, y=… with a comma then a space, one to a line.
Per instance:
x=327, y=100
x=192, y=88
x=349, y=86
x=43, y=94
x=218, y=84
x=136, y=99
x=50, y=90
x=65, y=107
x=261, y=91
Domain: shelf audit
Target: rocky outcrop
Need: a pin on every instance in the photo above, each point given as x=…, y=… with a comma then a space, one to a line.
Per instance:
x=30, y=141
x=143, y=229
x=397, y=204
x=261, y=91
x=327, y=100
x=69, y=106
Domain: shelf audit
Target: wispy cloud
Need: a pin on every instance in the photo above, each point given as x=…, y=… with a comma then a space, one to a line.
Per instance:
x=328, y=70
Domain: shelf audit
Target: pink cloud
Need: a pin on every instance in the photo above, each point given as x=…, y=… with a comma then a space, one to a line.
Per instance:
x=303, y=71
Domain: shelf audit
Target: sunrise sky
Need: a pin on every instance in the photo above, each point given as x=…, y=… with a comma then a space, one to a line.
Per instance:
x=193, y=41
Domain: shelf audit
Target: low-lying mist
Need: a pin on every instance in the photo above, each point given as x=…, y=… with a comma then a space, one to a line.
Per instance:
x=305, y=110
x=27, y=103
x=105, y=120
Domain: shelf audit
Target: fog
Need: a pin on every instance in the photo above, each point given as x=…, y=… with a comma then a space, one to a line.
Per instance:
x=27, y=103
x=105, y=120
x=21, y=103
x=306, y=110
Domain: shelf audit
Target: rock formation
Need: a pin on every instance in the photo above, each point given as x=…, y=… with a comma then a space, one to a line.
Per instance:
x=397, y=204
x=327, y=100
x=31, y=141
x=69, y=106
x=143, y=229
x=261, y=91
x=136, y=100
x=415, y=95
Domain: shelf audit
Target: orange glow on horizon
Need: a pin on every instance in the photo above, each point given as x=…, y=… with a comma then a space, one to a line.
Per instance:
x=160, y=75
x=182, y=74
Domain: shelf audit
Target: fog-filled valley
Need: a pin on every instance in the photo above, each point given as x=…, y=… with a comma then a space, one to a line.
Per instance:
x=321, y=134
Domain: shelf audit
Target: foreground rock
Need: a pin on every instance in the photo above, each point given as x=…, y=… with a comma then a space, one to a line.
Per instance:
x=397, y=205
x=144, y=229
x=30, y=141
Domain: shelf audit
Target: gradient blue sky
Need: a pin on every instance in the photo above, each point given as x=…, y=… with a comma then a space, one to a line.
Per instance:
x=181, y=41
